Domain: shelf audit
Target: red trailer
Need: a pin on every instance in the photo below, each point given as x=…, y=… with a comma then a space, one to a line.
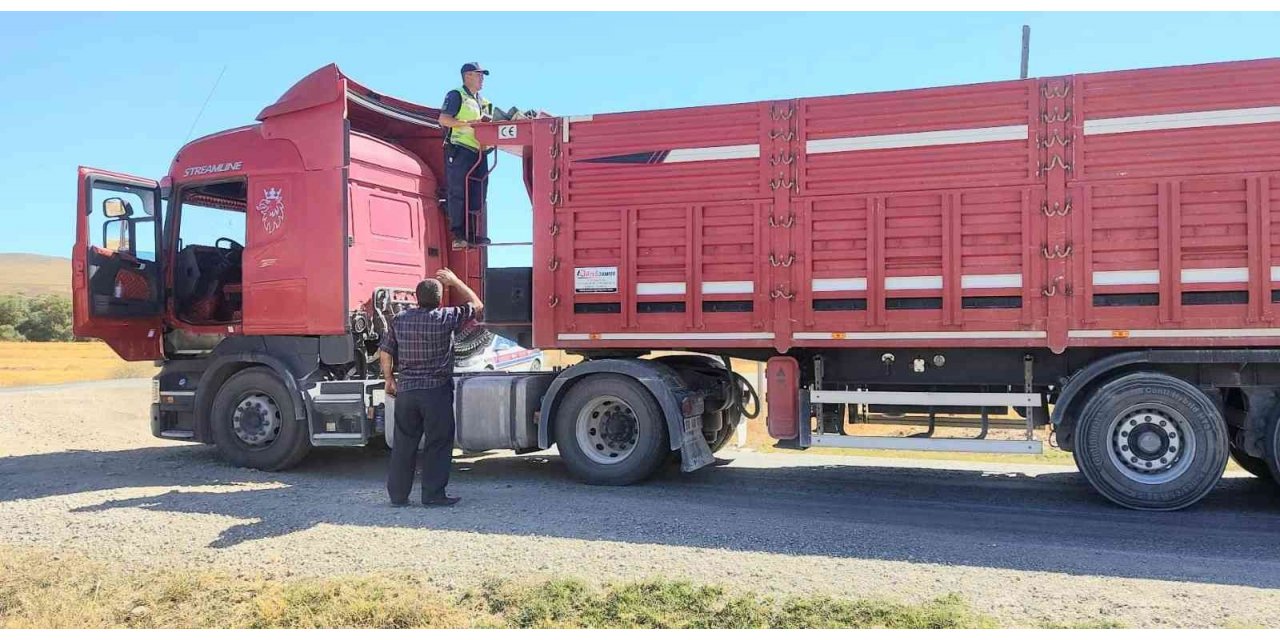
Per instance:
x=1098, y=243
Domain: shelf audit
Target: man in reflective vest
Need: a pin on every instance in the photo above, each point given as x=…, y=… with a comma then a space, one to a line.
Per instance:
x=465, y=164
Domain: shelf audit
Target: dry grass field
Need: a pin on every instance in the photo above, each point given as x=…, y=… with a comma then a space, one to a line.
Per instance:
x=33, y=275
x=35, y=363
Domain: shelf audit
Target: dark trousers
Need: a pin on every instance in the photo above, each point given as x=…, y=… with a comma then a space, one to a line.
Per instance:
x=421, y=411
x=464, y=193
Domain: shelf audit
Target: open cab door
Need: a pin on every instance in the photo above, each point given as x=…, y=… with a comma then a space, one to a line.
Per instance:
x=116, y=286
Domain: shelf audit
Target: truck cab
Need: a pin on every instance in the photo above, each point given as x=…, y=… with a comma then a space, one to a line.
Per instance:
x=279, y=249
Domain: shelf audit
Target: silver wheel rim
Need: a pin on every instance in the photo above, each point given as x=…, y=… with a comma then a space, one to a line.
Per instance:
x=1151, y=444
x=607, y=430
x=256, y=420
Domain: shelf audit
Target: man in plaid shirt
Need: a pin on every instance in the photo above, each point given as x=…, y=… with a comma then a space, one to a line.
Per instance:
x=419, y=343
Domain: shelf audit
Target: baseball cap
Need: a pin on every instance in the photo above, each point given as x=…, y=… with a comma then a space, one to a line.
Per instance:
x=474, y=66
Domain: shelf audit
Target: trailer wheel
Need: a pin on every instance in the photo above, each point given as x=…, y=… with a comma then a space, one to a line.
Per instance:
x=611, y=431
x=1151, y=441
x=253, y=423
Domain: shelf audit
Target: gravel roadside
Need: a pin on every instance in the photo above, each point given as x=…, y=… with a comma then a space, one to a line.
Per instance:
x=79, y=471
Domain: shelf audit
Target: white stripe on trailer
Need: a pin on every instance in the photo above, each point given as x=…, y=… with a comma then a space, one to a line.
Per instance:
x=994, y=281
x=586, y=118
x=1125, y=277
x=918, y=139
x=1228, y=274
x=909, y=283
x=698, y=154
x=920, y=335
x=680, y=288
x=1188, y=120
x=926, y=398
x=659, y=288
x=1275, y=274
x=1260, y=332
x=1188, y=276
x=573, y=337
x=839, y=284
x=729, y=286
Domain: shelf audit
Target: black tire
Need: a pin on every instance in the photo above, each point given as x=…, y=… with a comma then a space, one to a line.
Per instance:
x=651, y=438
x=1174, y=405
x=291, y=443
x=1273, y=450
x=1256, y=466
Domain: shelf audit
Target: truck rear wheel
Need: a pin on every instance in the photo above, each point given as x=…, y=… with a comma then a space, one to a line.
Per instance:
x=611, y=431
x=1273, y=450
x=253, y=423
x=1151, y=441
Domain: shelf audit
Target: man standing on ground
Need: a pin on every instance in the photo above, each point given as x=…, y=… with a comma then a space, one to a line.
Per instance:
x=419, y=342
x=465, y=163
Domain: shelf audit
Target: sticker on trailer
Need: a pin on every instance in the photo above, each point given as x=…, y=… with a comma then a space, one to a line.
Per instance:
x=595, y=280
x=507, y=131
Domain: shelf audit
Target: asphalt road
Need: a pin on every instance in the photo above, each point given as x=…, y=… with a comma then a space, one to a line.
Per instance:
x=1022, y=542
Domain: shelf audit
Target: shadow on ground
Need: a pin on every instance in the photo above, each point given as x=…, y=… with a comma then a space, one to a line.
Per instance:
x=1047, y=522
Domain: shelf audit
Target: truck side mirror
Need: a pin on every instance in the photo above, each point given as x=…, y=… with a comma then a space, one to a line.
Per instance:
x=117, y=235
x=116, y=208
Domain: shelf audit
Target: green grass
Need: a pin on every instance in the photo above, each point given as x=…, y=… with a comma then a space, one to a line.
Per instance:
x=44, y=590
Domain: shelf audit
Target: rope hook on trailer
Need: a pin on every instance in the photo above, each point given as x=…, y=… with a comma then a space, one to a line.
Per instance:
x=1057, y=252
x=1056, y=93
x=1057, y=116
x=1056, y=161
x=779, y=182
x=1057, y=210
x=782, y=158
x=555, y=229
x=1049, y=141
x=773, y=260
x=553, y=301
x=781, y=292
x=553, y=264
x=785, y=224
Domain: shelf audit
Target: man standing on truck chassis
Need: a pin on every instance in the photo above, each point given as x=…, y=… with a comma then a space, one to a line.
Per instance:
x=466, y=166
x=420, y=343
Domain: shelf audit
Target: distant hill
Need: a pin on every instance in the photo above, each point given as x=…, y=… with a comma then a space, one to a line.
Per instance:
x=31, y=274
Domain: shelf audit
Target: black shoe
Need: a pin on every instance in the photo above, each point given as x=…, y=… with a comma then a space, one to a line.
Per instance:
x=399, y=504
x=447, y=501
x=480, y=241
x=719, y=462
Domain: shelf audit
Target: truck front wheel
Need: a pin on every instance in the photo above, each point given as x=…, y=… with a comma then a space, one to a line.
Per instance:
x=253, y=423
x=611, y=431
x=1151, y=441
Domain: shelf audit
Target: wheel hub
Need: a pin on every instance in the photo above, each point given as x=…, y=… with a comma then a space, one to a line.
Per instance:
x=1148, y=444
x=607, y=430
x=256, y=420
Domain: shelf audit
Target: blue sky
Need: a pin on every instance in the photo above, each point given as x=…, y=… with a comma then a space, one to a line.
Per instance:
x=120, y=91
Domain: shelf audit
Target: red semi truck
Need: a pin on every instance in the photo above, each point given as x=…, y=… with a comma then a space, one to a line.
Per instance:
x=1098, y=252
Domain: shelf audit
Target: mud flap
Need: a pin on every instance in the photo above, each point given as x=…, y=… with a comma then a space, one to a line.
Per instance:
x=695, y=453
